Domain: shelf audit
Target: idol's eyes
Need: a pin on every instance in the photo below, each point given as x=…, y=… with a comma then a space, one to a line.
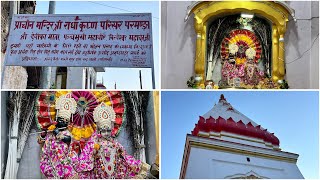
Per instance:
x=102, y=129
x=63, y=120
x=105, y=130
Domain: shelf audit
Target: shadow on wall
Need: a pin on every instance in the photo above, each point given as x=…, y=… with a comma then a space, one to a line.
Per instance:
x=189, y=33
x=29, y=165
x=291, y=37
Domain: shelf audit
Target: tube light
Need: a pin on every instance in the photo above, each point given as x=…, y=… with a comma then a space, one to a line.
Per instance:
x=247, y=15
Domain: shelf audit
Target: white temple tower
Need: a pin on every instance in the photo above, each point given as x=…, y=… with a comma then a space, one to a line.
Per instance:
x=227, y=144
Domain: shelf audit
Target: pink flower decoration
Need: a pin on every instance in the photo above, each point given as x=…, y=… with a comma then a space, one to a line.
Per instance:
x=261, y=73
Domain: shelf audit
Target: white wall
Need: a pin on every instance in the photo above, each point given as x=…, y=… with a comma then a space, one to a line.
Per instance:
x=314, y=75
x=210, y=164
x=178, y=45
x=231, y=137
x=304, y=71
x=74, y=77
x=29, y=166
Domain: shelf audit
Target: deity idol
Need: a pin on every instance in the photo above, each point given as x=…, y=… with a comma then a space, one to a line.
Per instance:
x=252, y=72
x=111, y=159
x=54, y=161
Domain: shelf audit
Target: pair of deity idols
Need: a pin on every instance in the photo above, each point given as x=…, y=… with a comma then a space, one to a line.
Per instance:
x=242, y=58
x=97, y=157
x=242, y=65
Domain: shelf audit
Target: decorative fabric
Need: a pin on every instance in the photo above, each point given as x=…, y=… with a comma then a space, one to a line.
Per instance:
x=83, y=124
x=143, y=174
x=112, y=161
x=232, y=71
x=116, y=101
x=45, y=112
x=252, y=74
x=105, y=159
x=104, y=116
x=54, y=161
x=244, y=40
x=82, y=158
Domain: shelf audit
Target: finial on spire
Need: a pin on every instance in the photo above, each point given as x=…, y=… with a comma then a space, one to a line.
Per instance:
x=222, y=98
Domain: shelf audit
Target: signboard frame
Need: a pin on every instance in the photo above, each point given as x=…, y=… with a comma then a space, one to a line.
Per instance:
x=151, y=60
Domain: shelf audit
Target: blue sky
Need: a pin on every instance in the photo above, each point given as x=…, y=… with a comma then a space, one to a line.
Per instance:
x=292, y=116
x=124, y=77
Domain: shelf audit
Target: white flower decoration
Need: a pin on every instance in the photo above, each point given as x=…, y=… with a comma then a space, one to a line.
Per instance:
x=250, y=53
x=233, y=48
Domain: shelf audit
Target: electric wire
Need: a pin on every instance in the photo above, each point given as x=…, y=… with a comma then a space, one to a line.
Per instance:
x=117, y=8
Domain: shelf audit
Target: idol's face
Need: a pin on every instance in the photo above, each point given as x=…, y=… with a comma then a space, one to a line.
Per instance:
x=106, y=133
x=62, y=122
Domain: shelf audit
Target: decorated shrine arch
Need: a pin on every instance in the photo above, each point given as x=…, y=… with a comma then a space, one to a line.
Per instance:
x=245, y=22
x=249, y=175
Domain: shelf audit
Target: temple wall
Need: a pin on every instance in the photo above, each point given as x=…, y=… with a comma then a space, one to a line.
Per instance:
x=210, y=164
x=29, y=166
x=4, y=132
x=150, y=132
x=13, y=77
x=315, y=48
x=304, y=71
x=178, y=45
